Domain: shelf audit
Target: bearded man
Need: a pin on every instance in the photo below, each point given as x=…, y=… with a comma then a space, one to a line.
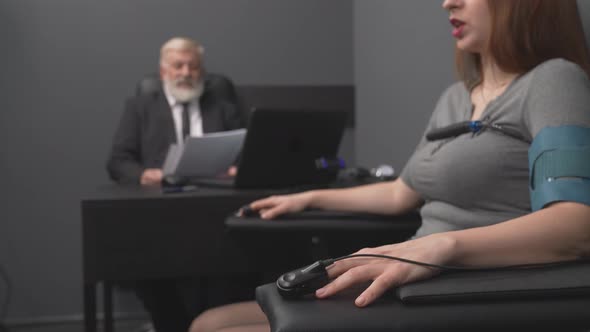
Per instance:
x=186, y=105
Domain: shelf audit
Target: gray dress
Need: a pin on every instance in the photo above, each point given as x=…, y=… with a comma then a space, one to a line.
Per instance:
x=481, y=179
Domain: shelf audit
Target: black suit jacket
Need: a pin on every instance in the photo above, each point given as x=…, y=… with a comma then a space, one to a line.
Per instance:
x=146, y=131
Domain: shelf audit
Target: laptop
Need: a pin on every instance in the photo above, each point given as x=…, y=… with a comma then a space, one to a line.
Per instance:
x=282, y=147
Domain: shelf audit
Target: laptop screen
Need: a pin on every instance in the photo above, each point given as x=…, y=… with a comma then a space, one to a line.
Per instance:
x=281, y=148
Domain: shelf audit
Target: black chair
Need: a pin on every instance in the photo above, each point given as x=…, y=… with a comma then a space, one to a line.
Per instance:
x=220, y=84
x=554, y=298
x=217, y=85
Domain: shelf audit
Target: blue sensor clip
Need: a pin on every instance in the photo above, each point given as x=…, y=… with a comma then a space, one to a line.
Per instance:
x=475, y=126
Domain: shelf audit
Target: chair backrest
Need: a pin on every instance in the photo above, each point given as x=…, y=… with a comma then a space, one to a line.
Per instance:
x=249, y=97
x=148, y=85
x=217, y=85
x=302, y=97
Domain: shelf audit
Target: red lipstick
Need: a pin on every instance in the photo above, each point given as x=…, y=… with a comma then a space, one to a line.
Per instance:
x=458, y=27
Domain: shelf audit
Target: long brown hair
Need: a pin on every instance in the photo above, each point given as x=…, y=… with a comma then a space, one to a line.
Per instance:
x=526, y=33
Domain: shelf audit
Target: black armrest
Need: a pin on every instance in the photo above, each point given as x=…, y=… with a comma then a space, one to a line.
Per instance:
x=545, y=311
x=318, y=220
x=561, y=280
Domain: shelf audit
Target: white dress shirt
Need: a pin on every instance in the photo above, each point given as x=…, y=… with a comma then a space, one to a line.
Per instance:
x=194, y=116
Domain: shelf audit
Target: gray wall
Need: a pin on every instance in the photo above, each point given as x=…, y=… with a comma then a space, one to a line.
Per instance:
x=584, y=7
x=403, y=60
x=67, y=67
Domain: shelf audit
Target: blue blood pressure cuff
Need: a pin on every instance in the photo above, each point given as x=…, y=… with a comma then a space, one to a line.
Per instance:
x=559, y=165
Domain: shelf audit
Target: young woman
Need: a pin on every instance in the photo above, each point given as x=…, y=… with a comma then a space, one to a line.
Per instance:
x=523, y=66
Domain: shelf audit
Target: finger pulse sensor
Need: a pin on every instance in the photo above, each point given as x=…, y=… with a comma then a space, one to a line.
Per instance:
x=303, y=281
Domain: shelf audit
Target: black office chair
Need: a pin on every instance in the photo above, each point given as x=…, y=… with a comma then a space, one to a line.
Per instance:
x=218, y=85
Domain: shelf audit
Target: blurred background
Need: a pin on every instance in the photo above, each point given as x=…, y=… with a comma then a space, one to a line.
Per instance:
x=68, y=65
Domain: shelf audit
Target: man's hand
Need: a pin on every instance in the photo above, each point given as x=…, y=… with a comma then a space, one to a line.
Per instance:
x=151, y=177
x=232, y=171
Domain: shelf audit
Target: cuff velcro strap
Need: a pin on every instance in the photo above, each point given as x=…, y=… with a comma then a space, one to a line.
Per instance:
x=559, y=164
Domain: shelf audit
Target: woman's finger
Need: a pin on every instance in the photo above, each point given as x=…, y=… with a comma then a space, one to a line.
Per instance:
x=264, y=203
x=349, y=278
x=274, y=211
x=388, y=279
x=344, y=265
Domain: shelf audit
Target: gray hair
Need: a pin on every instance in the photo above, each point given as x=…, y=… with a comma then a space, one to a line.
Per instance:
x=181, y=44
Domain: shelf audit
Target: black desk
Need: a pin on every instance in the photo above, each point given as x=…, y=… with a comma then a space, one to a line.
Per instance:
x=132, y=233
x=318, y=234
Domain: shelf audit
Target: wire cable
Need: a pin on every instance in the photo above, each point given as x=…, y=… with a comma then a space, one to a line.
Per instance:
x=330, y=261
x=474, y=127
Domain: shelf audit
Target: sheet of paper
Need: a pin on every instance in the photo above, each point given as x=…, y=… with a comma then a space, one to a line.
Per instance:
x=172, y=158
x=211, y=154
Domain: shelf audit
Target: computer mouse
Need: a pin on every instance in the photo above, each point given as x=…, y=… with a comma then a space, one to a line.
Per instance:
x=303, y=281
x=247, y=211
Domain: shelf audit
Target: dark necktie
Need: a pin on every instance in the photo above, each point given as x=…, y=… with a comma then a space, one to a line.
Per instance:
x=186, y=122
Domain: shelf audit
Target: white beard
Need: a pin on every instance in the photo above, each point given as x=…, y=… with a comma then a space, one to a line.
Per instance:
x=184, y=94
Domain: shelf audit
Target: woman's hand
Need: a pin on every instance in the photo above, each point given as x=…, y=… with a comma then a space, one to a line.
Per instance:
x=274, y=206
x=385, y=273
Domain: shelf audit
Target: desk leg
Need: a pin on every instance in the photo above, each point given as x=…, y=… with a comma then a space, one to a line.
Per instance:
x=90, y=307
x=108, y=306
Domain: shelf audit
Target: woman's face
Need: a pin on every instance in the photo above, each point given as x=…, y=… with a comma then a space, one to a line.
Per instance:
x=471, y=23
